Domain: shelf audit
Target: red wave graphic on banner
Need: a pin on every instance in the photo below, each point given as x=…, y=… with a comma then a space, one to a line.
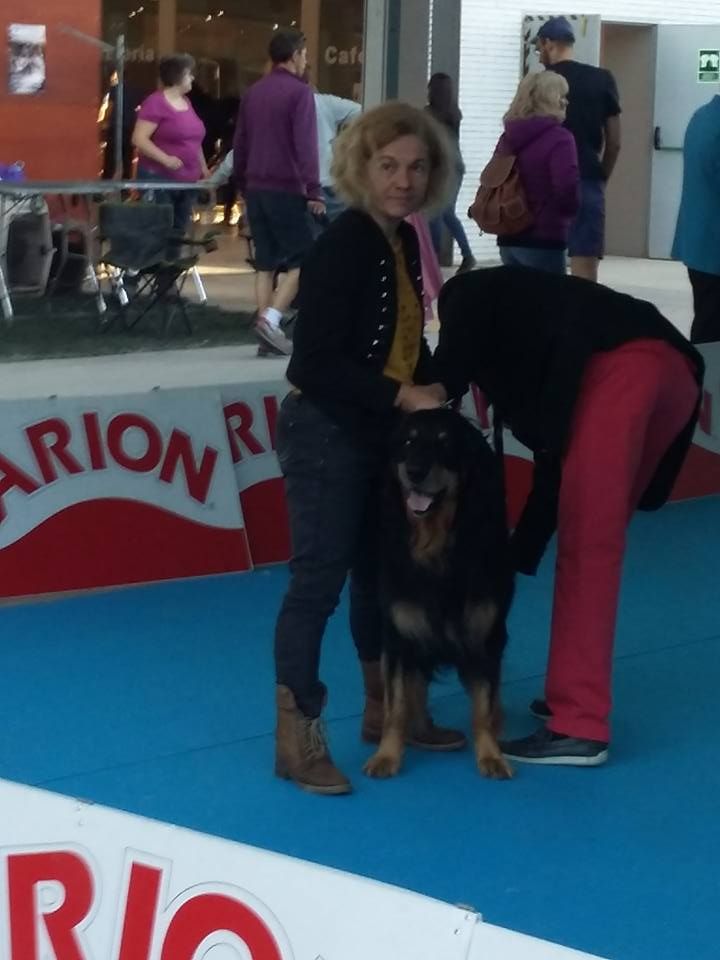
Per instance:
x=108, y=542
x=266, y=521
x=699, y=477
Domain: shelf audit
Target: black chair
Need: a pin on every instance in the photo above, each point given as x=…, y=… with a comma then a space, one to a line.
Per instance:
x=148, y=262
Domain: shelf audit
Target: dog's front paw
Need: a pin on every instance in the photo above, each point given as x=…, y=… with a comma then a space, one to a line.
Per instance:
x=381, y=766
x=496, y=768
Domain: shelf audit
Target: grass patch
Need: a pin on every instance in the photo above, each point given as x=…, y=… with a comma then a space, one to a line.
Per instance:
x=68, y=325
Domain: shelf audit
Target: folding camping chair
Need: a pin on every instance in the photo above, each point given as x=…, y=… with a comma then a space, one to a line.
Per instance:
x=148, y=262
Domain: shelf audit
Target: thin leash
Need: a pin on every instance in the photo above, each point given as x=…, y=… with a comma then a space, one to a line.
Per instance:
x=498, y=443
x=498, y=429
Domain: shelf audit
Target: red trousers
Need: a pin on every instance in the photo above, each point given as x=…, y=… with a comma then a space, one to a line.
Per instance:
x=633, y=403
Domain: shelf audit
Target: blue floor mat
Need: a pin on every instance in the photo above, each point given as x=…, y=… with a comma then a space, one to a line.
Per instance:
x=158, y=700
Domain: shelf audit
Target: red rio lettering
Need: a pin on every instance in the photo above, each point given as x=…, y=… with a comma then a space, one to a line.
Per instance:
x=12, y=476
x=197, y=478
x=239, y=419
x=140, y=912
x=193, y=918
x=93, y=436
x=26, y=872
x=51, y=442
x=208, y=913
x=46, y=450
x=119, y=426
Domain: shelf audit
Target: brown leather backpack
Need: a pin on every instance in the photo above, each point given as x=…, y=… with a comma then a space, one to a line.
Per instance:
x=501, y=206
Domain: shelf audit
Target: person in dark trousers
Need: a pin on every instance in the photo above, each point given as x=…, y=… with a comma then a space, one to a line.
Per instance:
x=360, y=358
x=277, y=172
x=606, y=393
x=207, y=108
x=697, y=235
x=131, y=103
x=443, y=106
x=593, y=117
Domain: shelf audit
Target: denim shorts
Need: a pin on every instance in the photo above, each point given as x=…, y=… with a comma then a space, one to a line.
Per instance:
x=281, y=228
x=538, y=258
x=587, y=234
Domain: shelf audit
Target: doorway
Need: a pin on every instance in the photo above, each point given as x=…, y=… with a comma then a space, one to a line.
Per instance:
x=629, y=52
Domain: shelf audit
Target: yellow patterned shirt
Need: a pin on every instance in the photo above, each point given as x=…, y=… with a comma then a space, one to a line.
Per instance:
x=405, y=350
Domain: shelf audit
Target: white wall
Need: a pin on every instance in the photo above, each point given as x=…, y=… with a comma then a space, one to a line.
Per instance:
x=490, y=70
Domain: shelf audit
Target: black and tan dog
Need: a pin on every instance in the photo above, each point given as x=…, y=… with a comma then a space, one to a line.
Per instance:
x=446, y=581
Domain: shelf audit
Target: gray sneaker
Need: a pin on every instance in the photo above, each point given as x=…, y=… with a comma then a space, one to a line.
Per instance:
x=273, y=337
x=544, y=746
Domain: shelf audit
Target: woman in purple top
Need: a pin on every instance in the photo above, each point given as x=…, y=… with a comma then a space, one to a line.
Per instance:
x=548, y=167
x=168, y=136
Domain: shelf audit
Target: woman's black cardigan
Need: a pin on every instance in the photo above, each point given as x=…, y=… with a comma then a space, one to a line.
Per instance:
x=346, y=323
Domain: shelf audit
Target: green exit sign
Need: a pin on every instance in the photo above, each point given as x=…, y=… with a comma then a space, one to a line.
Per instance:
x=709, y=66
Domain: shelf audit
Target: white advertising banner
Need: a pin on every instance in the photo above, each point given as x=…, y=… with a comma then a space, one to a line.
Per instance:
x=251, y=412
x=707, y=435
x=81, y=882
x=116, y=489
x=176, y=483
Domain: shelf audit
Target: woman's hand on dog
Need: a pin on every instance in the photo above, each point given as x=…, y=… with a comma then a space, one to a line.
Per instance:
x=413, y=398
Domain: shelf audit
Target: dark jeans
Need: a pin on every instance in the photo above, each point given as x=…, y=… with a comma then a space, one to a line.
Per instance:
x=538, y=258
x=182, y=201
x=448, y=218
x=706, y=300
x=333, y=486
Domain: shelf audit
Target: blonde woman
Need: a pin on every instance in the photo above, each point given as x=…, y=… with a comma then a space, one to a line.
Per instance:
x=548, y=168
x=359, y=358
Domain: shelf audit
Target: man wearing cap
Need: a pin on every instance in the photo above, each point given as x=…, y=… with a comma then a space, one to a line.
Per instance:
x=593, y=117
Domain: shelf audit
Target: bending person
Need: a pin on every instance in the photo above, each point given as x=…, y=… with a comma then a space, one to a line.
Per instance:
x=605, y=392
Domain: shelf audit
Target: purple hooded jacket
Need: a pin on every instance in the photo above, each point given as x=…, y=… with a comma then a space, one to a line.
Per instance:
x=548, y=166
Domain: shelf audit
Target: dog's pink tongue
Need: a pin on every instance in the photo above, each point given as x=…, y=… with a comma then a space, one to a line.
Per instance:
x=418, y=502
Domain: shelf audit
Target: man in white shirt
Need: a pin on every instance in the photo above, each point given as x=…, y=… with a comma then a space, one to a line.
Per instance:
x=332, y=115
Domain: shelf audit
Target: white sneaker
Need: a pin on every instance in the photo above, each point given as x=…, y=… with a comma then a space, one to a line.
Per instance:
x=273, y=337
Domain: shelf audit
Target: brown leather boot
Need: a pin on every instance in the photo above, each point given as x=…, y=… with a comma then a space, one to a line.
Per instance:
x=423, y=734
x=301, y=750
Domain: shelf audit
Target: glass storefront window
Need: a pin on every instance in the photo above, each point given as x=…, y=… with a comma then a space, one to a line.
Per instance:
x=229, y=41
x=138, y=21
x=228, y=38
x=339, y=67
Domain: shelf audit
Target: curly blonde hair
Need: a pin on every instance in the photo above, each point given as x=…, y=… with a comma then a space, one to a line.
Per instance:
x=377, y=128
x=540, y=95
